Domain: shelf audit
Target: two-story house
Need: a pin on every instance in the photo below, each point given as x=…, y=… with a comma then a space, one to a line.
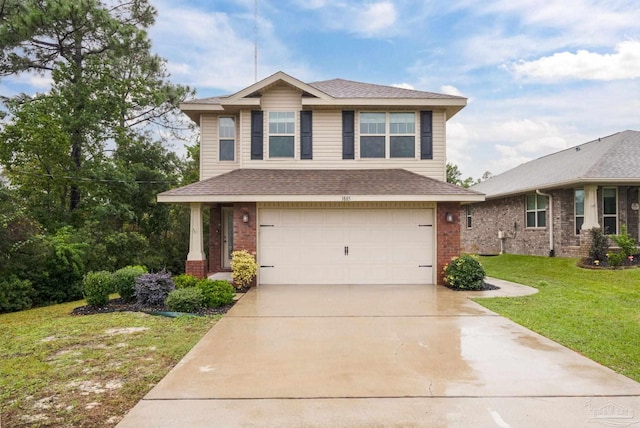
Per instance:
x=332, y=182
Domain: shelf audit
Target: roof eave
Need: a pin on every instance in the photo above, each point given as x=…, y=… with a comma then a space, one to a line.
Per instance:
x=564, y=184
x=319, y=198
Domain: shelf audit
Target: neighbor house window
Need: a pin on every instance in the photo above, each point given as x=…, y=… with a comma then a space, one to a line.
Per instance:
x=281, y=134
x=579, y=209
x=468, y=212
x=227, y=138
x=373, y=130
x=536, y=211
x=610, y=210
x=402, y=140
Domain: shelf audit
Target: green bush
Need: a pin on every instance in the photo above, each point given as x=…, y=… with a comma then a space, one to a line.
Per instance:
x=188, y=299
x=96, y=287
x=626, y=243
x=464, y=273
x=124, y=281
x=244, y=268
x=185, y=281
x=616, y=259
x=15, y=294
x=599, y=245
x=216, y=293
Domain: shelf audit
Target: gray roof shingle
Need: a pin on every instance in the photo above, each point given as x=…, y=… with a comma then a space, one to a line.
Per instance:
x=616, y=157
x=319, y=182
x=340, y=88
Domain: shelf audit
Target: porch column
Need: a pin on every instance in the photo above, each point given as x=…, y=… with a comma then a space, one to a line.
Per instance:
x=590, y=208
x=196, y=260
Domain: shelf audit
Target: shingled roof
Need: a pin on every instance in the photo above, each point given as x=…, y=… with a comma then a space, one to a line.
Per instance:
x=340, y=88
x=612, y=159
x=312, y=185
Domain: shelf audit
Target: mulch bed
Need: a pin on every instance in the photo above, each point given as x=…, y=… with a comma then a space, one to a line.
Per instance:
x=589, y=263
x=119, y=305
x=485, y=287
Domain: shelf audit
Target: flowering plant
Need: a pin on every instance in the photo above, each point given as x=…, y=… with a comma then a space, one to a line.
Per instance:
x=464, y=273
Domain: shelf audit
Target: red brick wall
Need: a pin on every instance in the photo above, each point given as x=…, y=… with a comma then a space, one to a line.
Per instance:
x=197, y=268
x=215, y=240
x=448, y=236
x=244, y=234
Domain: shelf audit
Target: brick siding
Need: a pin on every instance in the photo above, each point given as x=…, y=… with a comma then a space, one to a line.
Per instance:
x=197, y=268
x=448, y=237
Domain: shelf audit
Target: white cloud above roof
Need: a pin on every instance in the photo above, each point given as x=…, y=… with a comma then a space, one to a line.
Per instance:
x=624, y=63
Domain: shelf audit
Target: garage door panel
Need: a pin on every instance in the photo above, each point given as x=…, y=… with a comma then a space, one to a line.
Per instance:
x=307, y=246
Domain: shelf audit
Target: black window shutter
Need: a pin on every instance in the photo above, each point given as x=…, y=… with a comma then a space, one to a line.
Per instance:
x=257, y=117
x=348, y=134
x=426, y=135
x=306, y=134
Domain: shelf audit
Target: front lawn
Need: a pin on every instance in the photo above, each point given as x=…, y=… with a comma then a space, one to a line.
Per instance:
x=595, y=312
x=85, y=371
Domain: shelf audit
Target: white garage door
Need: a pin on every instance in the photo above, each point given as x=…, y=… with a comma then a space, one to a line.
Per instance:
x=346, y=246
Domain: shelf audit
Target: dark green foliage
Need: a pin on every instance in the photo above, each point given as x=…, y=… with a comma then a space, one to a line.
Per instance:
x=599, y=245
x=15, y=294
x=185, y=281
x=464, y=273
x=97, y=286
x=216, y=293
x=185, y=300
x=124, y=281
x=153, y=288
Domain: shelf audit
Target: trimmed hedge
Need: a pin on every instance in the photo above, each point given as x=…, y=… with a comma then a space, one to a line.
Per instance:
x=124, y=281
x=216, y=293
x=153, y=288
x=96, y=287
x=188, y=299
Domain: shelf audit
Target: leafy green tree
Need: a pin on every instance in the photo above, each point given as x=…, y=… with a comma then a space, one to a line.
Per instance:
x=107, y=88
x=454, y=176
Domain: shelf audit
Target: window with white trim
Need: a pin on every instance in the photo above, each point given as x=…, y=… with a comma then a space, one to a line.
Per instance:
x=610, y=210
x=536, y=211
x=468, y=210
x=579, y=209
x=227, y=138
x=387, y=135
x=282, y=125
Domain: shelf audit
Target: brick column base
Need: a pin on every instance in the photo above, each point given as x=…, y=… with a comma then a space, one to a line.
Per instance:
x=197, y=268
x=448, y=236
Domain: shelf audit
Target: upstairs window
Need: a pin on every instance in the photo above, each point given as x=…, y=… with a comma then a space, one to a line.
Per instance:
x=227, y=138
x=384, y=135
x=536, y=211
x=372, y=135
x=281, y=134
x=402, y=127
x=579, y=209
x=610, y=210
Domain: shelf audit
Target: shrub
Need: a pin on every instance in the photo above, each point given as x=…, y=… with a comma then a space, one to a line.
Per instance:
x=124, y=281
x=185, y=281
x=216, y=293
x=464, y=273
x=15, y=294
x=153, y=288
x=599, y=245
x=96, y=287
x=626, y=243
x=616, y=259
x=188, y=299
x=244, y=268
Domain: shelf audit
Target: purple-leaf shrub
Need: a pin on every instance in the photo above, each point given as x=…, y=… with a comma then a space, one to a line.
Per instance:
x=153, y=288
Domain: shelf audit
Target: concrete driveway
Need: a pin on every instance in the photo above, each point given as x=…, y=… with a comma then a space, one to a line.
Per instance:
x=366, y=356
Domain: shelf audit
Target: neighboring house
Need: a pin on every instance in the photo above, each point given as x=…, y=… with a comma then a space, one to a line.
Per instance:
x=547, y=206
x=332, y=182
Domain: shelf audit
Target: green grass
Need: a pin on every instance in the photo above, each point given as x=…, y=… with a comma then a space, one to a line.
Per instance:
x=594, y=312
x=85, y=371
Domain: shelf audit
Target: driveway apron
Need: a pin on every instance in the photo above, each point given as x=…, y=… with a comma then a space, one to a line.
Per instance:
x=328, y=356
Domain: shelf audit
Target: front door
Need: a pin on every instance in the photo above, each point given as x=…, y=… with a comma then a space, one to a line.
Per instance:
x=227, y=237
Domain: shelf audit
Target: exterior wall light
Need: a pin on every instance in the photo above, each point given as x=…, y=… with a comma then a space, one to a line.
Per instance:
x=449, y=217
x=245, y=217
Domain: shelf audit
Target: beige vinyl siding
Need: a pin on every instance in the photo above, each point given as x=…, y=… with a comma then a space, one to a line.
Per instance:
x=209, y=151
x=327, y=140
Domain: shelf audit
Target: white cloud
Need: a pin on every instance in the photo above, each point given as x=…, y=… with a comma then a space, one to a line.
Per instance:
x=585, y=65
x=375, y=18
x=451, y=90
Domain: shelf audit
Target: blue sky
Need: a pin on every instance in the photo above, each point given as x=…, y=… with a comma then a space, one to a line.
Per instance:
x=540, y=76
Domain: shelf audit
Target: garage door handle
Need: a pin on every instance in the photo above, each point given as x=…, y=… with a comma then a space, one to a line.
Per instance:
x=266, y=266
x=425, y=265
x=346, y=251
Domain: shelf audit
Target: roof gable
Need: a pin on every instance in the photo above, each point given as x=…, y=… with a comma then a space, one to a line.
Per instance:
x=264, y=84
x=609, y=159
